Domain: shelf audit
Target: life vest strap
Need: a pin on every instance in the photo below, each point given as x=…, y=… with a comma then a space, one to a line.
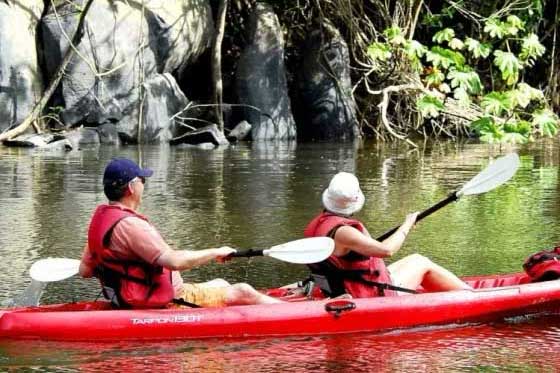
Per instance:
x=103, y=272
x=183, y=302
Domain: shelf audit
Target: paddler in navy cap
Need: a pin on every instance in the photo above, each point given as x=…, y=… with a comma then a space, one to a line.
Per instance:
x=136, y=267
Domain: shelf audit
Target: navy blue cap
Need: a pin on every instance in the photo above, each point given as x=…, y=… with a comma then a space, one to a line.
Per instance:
x=121, y=171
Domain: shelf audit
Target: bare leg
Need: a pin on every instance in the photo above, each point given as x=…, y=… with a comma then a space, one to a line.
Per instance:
x=415, y=269
x=216, y=283
x=239, y=294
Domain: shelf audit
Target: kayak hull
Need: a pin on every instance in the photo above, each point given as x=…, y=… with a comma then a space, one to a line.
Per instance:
x=494, y=298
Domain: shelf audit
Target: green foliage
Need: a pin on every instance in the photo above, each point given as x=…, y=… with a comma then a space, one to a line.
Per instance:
x=488, y=74
x=514, y=24
x=546, y=121
x=524, y=94
x=487, y=130
x=531, y=48
x=509, y=66
x=429, y=106
x=456, y=44
x=434, y=78
x=477, y=49
x=444, y=35
x=379, y=52
x=415, y=51
x=466, y=79
x=495, y=28
x=394, y=35
x=498, y=29
x=496, y=103
x=443, y=57
x=514, y=138
x=415, y=48
x=462, y=96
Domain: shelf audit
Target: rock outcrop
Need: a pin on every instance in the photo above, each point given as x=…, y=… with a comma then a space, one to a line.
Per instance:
x=21, y=83
x=261, y=79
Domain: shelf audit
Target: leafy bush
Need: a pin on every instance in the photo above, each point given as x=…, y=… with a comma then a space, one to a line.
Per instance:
x=511, y=110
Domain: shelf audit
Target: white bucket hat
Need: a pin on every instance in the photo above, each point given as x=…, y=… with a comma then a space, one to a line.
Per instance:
x=343, y=196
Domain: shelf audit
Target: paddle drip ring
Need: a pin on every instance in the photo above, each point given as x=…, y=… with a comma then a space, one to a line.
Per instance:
x=338, y=306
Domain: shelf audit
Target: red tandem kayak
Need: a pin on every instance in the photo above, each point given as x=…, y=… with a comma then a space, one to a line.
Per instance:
x=494, y=298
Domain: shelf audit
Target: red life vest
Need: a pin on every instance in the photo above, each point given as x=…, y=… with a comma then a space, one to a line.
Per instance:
x=358, y=275
x=129, y=283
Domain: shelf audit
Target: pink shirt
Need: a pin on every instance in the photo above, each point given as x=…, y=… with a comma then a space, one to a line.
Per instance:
x=135, y=239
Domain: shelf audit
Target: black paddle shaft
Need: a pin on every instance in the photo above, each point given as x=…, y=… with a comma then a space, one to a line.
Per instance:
x=247, y=253
x=451, y=198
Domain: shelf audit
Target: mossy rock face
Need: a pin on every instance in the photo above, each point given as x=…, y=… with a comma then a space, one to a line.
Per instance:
x=325, y=87
x=20, y=76
x=261, y=79
x=120, y=74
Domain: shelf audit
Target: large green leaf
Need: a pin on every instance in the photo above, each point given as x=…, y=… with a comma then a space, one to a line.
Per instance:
x=434, y=78
x=443, y=35
x=531, y=48
x=516, y=131
x=415, y=48
x=456, y=44
x=520, y=126
x=487, y=130
x=483, y=124
x=495, y=28
x=394, y=35
x=477, y=49
x=443, y=57
x=379, y=52
x=429, y=106
x=515, y=24
x=496, y=103
x=532, y=93
x=524, y=94
x=462, y=97
x=518, y=98
x=546, y=121
x=508, y=64
x=465, y=79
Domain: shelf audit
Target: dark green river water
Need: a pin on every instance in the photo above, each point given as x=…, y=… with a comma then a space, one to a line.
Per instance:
x=259, y=195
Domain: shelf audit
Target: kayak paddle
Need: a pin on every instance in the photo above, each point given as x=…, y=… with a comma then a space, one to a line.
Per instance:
x=54, y=269
x=302, y=251
x=494, y=175
x=42, y=272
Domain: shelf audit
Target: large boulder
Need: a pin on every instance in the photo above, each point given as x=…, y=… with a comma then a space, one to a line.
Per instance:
x=162, y=100
x=123, y=52
x=206, y=135
x=20, y=77
x=261, y=78
x=180, y=31
x=328, y=107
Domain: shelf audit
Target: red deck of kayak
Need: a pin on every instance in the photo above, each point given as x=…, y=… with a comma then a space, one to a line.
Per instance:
x=494, y=297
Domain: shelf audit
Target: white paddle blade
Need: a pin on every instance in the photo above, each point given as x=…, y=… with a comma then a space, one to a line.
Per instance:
x=497, y=173
x=54, y=269
x=303, y=251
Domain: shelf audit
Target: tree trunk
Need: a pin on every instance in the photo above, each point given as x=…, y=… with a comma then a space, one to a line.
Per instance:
x=217, y=63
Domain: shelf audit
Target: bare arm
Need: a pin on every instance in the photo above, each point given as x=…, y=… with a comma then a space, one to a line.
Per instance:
x=350, y=239
x=179, y=260
x=86, y=266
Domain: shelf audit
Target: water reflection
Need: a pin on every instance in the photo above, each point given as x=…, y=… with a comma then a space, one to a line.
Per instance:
x=507, y=346
x=259, y=195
